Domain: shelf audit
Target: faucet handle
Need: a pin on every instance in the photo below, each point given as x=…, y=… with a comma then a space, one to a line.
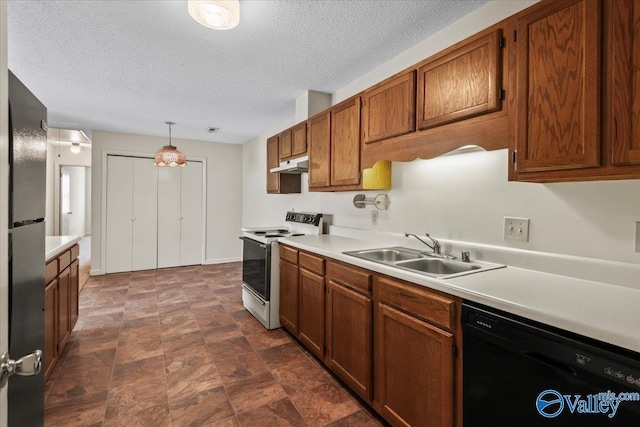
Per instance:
x=465, y=256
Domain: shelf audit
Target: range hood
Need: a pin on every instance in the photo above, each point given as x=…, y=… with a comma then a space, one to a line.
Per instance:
x=299, y=165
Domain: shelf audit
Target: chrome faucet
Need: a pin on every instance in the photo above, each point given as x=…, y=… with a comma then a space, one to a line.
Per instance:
x=435, y=246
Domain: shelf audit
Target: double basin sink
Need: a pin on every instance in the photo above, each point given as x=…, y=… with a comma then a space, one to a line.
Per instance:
x=422, y=262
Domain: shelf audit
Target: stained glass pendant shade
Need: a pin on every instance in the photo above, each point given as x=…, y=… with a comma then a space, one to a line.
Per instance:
x=169, y=155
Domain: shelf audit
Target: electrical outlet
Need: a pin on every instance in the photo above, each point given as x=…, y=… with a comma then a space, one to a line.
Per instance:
x=516, y=229
x=374, y=217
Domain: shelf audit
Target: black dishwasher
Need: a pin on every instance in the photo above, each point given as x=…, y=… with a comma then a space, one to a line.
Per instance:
x=517, y=372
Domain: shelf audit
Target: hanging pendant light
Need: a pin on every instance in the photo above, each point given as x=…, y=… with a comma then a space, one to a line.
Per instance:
x=75, y=147
x=169, y=155
x=216, y=14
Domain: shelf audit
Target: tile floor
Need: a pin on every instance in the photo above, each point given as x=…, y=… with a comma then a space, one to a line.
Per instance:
x=175, y=347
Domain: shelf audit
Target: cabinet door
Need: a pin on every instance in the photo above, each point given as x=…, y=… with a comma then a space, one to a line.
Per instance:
x=273, y=161
x=285, y=144
x=145, y=215
x=74, y=289
x=414, y=370
x=50, y=332
x=289, y=296
x=191, y=235
x=169, y=217
x=64, y=312
x=389, y=108
x=558, y=82
x=312, y=311
x=349, y=340
x=299, y=139
x=461, y=84
x=118, y=237
x=625, y=85
x=345, y=143
x=320, y=150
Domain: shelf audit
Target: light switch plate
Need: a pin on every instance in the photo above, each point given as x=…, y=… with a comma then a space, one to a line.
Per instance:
x=637, y=240
x=516, y=229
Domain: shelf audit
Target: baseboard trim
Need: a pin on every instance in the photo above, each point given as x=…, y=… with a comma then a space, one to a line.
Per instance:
x=221, y=260
x=96, y=272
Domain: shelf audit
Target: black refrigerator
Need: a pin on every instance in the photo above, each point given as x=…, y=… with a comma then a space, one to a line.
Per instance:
x=27, y=186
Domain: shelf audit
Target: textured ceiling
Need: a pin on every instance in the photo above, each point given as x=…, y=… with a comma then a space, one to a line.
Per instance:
x=130, y=66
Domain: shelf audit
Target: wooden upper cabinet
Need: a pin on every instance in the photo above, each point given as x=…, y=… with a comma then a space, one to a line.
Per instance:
x=299, y=139
x=345, y=143
x=557, y=120
x=285, y=144
x=320, y=150
x=624, y=132
x=389, y=108
x=272, y=162
x=279, y=183
x=464, y=83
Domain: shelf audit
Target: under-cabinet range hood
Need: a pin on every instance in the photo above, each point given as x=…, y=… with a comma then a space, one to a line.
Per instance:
x=299, y=165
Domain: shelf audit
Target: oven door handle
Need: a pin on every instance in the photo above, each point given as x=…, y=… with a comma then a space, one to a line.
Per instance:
x=263, y=246
x=253, y=293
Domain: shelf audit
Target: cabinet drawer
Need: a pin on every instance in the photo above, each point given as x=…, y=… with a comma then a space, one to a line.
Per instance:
x=312, y=263
x=418, y=301
x=64, y=260
x=289, y=254
x=75, y=252
x=349, y=276
x=51, y=271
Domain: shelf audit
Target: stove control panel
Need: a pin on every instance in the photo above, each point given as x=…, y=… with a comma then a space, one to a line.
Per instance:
x=304, y=218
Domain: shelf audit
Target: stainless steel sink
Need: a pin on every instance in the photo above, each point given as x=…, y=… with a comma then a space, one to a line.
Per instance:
x=422, y=262
x=437, y=266
x=388, y=255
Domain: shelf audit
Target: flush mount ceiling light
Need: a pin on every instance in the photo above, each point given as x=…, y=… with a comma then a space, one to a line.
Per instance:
x=216, y=14
x=169, y=155
x=75, y=147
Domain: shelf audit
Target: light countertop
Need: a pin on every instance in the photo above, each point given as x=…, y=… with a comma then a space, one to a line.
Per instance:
x=55, y=245
x=597, y=310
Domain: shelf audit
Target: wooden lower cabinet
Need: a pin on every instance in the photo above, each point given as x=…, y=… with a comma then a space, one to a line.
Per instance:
x=289, y=293
x=61, y=305
x=50, y=316
x=394, y=343
x=414, y=370
x=74, y=290
x=64, y=294
x=349, y=337
x=312, y=311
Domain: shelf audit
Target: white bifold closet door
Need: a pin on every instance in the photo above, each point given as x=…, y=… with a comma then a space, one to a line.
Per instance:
x=180, y=233
x=131, y=234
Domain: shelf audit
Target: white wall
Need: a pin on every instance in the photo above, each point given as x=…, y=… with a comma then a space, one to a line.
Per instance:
x=224, y=189
x=464, y=197
x=59, y=154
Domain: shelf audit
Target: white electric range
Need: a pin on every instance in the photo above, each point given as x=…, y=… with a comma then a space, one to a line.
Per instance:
x=260, y=262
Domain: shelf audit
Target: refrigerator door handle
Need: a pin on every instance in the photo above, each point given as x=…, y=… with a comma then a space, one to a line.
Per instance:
x=26, y=366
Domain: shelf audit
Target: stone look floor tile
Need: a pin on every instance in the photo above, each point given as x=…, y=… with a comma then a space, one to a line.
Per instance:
x=237, y=368
x=83, y=411
x=201, y=408
x=79, y=384
x=324, y=404
x=253, y=392
x=176, y=347
x=278, y=413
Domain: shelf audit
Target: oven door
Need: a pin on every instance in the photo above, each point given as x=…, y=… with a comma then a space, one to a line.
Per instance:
x=256, y=267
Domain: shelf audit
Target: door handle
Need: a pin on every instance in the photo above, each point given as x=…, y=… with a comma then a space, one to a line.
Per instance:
x=26, y=366
x=69, y=213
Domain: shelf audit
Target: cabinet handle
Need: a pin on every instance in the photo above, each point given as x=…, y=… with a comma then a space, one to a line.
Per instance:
x=133, y=219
